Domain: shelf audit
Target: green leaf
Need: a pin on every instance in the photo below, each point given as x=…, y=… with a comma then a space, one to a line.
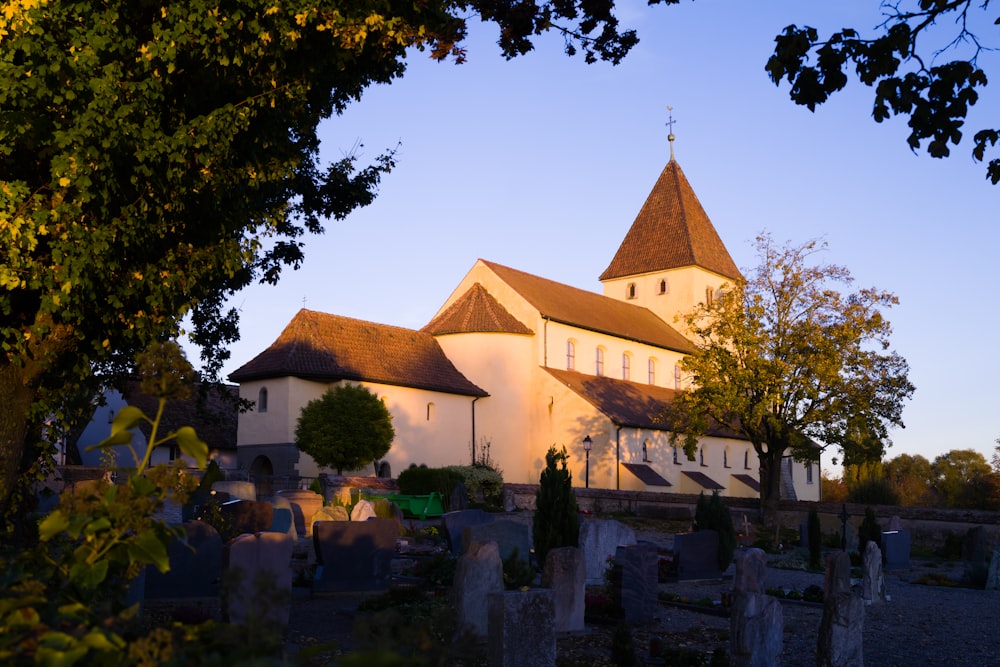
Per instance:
x=89, y=576
x=52, y=525
x=191, y=445
x=97, y=526
x=147, y=548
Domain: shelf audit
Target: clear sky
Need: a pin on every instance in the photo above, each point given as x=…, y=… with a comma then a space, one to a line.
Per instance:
x=541, y=163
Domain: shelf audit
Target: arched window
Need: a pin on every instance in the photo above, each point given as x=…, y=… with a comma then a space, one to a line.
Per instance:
x=645, y=451
x=626, y=366
x=570, y=355
x=430, y=411
x=709, y=296
x=677, y=376
x=725, y=457
x=676, y=460
x=652, y=371
x=809, y=473
x=701, y=456
x=664, y=286
x=630, y=291
x=746, y=460
x=599, y=362
x=262, y=400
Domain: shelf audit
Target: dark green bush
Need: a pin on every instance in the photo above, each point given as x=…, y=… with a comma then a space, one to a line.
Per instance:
x=869, y=531
x=711, y=514
x=815, y=540
x=517, y=571
x=557, y=518
x=420, y=481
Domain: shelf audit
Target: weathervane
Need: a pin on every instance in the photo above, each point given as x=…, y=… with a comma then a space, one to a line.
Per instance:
x=670, y=130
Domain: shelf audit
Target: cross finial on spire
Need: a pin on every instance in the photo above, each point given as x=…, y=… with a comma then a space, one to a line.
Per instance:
x=670, y=129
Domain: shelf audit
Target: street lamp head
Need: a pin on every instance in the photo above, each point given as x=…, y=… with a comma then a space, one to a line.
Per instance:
x=587, y=443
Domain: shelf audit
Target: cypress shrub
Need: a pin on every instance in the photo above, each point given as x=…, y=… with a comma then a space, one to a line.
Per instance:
x=815, y=540
x=869, y=531
x=712, y=514
x=557, y=520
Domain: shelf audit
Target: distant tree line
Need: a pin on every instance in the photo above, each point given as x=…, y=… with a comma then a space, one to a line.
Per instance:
x=960, y=478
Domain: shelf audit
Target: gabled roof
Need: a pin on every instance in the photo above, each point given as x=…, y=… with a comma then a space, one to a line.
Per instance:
x=476, y=311
x=588, y=310
x=327, y=348
x=671, y=230
x=628, y=404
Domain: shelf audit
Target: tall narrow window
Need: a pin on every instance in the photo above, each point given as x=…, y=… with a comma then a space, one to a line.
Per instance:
x=570, y=355
x=664, y=287
x=652, y=371
x=645, y=451
x=630, y=290
x=626, y=366
x=709, y=296
x=676, y=460
x=809, y=473
x=725, y=457
x=746, y=459
x=677, y=376
x=701, y=456
x=599, y=362
x=262, y=400
x=430, y=411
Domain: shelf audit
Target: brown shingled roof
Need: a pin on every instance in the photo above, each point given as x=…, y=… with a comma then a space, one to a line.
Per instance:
x=588, y=310
x=626, y=403
x=327, y=348
x=475, y=311
x=671, y=230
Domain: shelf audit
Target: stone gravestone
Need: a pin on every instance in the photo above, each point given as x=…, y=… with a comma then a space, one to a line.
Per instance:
x=976, y=554
x=756, y=622
x=479, y=573
x=333, y=513
x=283, y=521
x=636, y=570
x=511, y=537
x=521, y=630
x=304, y=504
x=364, y=510
x=599, y=540
x=566, y=574
x=993, y=576
x=454, y=523
x=897, y=549
x=259, y=580
x=872, y=580
x=195, y=567
x=839, y=643
x=353, y=556
x=247, y=516
x=697, y=555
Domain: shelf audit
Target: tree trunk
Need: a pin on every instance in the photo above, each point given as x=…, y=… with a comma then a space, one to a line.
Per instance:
x=770, y=485
x=18, y=390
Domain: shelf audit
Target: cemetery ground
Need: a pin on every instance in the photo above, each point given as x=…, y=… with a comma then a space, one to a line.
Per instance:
x=930, y=618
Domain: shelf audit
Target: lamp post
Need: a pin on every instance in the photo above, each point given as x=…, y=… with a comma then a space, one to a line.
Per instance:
x=587, y=444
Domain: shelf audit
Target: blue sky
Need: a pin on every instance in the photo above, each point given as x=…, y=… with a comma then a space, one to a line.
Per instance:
x=541, y=163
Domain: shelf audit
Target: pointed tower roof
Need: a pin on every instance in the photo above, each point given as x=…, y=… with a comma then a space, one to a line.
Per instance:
x=475, y=311
x=671, y=230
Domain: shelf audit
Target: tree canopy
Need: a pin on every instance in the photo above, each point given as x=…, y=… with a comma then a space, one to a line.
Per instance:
x=346, y=428
x=923, y=64
x=793, y=365
x=157, y=157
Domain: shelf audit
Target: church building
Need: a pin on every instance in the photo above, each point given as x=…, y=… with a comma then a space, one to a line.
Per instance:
x=513, y=363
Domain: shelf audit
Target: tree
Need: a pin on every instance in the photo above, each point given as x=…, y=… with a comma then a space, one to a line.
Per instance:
x=793, y=365
x=913, y=480
x=346, y=428
x=556, y=522
x=955, y=471
x=157, y=157
x=918, y=69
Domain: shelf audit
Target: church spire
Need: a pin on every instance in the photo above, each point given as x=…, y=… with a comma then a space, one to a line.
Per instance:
x=670, y=131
